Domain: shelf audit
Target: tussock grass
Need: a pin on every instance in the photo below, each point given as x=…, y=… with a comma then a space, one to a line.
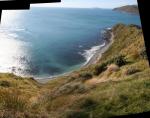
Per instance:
x=12, y=100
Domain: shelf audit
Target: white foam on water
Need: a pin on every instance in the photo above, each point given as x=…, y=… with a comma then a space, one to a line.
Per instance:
x=88, y=54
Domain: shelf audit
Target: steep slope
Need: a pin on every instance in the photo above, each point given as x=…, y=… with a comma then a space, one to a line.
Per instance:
x=118, y=84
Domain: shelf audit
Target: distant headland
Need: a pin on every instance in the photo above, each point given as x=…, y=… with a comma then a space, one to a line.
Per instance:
x=128, y=8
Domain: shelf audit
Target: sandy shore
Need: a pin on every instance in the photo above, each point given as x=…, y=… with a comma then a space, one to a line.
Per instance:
x=93, y=60
x=100, y=51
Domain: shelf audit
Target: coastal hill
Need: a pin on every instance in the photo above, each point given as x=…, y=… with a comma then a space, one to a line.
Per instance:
x=129, y=9
x=118, y=84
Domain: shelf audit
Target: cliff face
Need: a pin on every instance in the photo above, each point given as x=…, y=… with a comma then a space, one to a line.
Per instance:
x=118, y=84
x=129, y=9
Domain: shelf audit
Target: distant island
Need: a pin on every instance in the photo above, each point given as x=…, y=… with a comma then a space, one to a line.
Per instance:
x=128, y=8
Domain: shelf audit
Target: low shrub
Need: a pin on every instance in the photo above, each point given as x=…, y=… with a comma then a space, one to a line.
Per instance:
x=117, y=60
x=5, y=84
x=147, y=85
x=100, y=68
x=131, y=71
x=88, y=104
x=143, y=54
x=76, y=114
x=85, y=76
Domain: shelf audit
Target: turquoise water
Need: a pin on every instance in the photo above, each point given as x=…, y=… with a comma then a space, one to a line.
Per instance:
x=44, y=42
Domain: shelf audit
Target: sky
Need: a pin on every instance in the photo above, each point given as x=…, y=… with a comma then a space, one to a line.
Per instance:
x=89, y=3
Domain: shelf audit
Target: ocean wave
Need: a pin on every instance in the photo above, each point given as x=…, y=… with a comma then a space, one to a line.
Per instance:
x=88, y=54
x=12, y=29
x=105, y=30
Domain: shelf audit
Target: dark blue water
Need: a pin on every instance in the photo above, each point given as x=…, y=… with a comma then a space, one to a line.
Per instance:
x=44, y=42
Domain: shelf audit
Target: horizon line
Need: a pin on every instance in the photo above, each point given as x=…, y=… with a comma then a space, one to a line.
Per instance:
x=74, y=7
x=79, y=7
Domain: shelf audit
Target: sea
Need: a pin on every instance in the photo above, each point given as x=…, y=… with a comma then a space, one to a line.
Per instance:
x=45, y=42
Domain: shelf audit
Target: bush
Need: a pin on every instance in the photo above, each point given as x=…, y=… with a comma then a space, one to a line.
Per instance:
x=117, y=60
x=85, y=76
x=147, y=85
x=143, y=54
x=76, y=114
x=131, y=71
x=120, y=60
x=88, y=104
x=100, y=68
x=4, y=84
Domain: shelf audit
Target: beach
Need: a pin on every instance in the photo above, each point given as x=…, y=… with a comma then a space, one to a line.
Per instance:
x=93, y=60
x=100, y=51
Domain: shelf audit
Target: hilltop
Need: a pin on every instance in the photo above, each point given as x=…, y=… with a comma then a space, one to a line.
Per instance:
x=118, y=84
x=129, y=9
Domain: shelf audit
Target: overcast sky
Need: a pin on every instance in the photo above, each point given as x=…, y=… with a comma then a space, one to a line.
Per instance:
x=89, y=3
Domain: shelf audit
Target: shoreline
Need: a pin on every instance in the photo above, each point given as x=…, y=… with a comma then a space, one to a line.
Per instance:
x=101, y=50
x=93, y=60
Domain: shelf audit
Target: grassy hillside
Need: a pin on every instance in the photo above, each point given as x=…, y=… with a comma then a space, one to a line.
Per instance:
x=118, y=84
